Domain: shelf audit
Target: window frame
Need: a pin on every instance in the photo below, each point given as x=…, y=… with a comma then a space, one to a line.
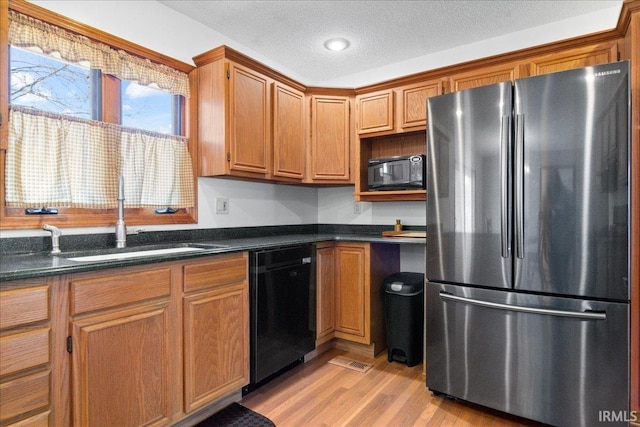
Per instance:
x=15, y=218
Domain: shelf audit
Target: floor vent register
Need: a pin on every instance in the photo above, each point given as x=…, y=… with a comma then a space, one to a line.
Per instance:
x=350, y=364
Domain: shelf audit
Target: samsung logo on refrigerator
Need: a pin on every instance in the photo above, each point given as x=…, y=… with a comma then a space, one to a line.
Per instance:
x=607, y=73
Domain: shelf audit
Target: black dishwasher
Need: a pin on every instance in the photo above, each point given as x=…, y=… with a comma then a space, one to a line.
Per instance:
x=283, y=310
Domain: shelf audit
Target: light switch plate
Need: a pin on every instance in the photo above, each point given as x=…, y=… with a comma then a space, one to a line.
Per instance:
x=222, y=205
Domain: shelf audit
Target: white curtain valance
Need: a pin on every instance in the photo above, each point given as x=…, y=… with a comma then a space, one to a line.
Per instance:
x=28, y=32
x=60, y=161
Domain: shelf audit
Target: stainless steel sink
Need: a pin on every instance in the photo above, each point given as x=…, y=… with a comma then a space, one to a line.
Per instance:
x=138, y=252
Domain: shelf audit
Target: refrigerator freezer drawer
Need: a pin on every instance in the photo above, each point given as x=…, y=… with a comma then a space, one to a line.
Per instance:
x=556, y=360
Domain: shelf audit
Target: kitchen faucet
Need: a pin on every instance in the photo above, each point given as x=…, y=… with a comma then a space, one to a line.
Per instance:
x=121, y=228
x=55, y=237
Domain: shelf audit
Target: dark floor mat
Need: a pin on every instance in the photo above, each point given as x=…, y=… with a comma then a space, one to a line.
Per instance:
x=236, y=415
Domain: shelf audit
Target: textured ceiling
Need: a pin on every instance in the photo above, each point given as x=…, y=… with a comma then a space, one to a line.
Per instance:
x=292, y=33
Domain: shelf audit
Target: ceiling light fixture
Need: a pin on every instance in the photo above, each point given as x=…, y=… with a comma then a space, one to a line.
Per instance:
x=336, y=44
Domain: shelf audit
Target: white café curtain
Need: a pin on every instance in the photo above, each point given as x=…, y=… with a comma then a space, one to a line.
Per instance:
x=56, y=160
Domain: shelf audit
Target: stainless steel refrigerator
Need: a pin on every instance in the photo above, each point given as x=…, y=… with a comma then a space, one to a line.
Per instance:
x=527, y=294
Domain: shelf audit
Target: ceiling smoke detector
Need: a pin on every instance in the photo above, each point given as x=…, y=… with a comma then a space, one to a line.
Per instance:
x=336, y=44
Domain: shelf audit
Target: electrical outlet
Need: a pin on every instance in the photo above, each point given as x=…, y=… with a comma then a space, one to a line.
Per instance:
x=222, y=205
x=357, y=208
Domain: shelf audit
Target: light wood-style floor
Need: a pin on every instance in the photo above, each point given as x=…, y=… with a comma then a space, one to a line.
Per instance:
x=389, y=394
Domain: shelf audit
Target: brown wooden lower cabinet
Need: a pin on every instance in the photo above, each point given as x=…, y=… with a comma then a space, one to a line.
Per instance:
x=353, y=273
x=216, y=329
x=25, y=394
x=149, y=344
x=174, y=339
x=123, y=346
x=25, y=353
x=325, y=292
x=120, y=367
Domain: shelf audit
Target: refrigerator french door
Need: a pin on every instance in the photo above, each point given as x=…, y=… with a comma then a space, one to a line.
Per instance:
x=527, y=246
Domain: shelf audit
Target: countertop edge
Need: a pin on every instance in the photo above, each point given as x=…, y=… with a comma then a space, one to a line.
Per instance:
x=37, y=265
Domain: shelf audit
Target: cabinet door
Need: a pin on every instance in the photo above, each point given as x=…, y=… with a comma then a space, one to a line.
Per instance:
x=375, y=112
x=352, y=310
x=330, y=159
x=485, y=76
x=414, y=103
x=216, y=337
x=249, y=120
x=325, y=279
x=121, y=368
x=601, y=53
x=288, y=132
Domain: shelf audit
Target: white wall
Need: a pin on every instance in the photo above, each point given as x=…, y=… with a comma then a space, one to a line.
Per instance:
x=254, y=204
x=336, y=206
x=153, y=25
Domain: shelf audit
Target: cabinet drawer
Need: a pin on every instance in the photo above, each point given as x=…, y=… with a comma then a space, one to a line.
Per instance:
x=24, y=350
x=119, y=289
x=23, y=306
x=220, y=270
x=39, y=420
x=24, y=394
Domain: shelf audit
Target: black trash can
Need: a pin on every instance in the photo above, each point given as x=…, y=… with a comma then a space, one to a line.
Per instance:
x=404, y=316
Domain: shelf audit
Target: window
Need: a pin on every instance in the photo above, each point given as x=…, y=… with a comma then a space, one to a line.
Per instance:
x=56, y=86
x=49, y=84
x=145, y=107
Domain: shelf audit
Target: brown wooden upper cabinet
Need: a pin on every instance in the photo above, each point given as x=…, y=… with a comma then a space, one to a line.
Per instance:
x=330, y=156
x=374, y=111
x=585, y=56
x=233, y=120
x=485, y=76
x=413, y=113
x=249, y=120
x=288, y=132
x=566, y=59
x=396, y=110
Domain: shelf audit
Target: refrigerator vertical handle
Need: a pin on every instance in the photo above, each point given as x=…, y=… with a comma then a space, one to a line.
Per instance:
x=519, y=186
x=504, y=185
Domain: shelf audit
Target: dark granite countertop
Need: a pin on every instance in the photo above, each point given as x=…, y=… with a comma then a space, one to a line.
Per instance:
x=14, y=266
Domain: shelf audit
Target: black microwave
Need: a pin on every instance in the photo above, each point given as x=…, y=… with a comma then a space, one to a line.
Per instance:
x=397, y=173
